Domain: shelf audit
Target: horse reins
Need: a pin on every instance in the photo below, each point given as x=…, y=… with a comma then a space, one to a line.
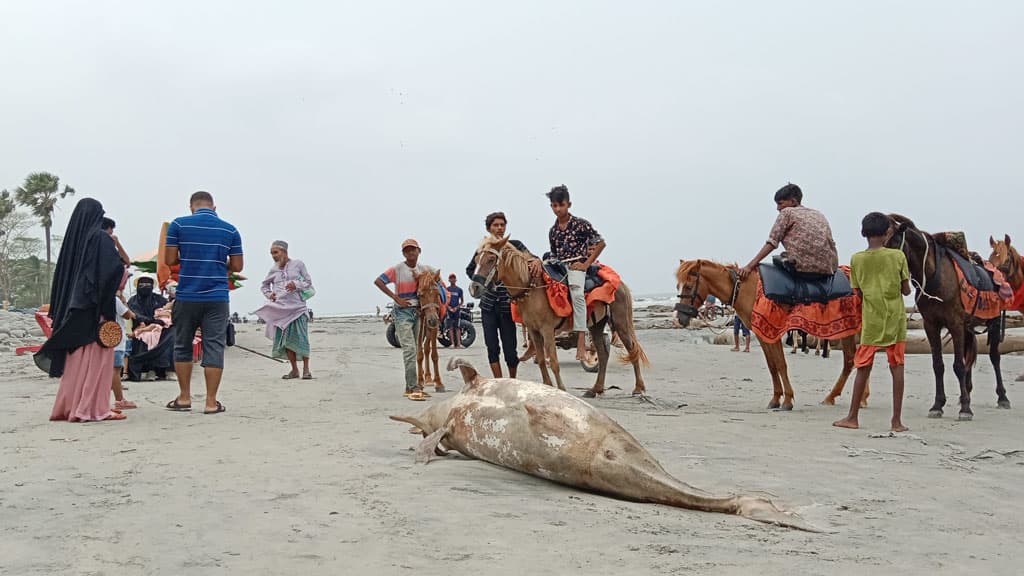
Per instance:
x=924, y=264
x=694, y=296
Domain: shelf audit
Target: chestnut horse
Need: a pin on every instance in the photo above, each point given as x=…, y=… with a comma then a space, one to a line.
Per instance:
x=497, y=260
x=695, y=279
x=1007, y=260
x=938, y=299
x=428, y=292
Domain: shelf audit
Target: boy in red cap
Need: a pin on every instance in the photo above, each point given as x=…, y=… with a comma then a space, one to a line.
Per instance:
x=407, y=312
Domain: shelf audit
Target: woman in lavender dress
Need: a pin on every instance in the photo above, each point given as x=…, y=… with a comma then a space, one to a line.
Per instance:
x=287, y=286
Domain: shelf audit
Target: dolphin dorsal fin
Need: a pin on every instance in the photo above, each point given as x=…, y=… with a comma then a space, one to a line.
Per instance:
x=469, y=373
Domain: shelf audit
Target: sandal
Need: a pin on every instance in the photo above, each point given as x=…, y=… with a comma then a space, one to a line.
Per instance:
x=290, y=376
x=220, y=408
x=417, y=396
x=173, y=405
x=124, y=405
x=307, y=376
x=115, y=416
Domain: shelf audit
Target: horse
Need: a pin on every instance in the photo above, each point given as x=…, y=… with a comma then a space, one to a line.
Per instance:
x=429, y=294
x=938, y=299
x=695, y=279
x=1007, y=260
x=497, y=260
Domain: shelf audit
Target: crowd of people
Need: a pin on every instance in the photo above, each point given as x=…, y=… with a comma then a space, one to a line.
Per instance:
x=90, y=275
x=92, y=270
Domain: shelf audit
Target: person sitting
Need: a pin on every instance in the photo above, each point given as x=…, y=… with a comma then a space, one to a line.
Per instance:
x=810, y=251
x=156, y=354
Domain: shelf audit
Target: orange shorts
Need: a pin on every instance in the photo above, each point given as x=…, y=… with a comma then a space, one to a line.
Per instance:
x=866, y=354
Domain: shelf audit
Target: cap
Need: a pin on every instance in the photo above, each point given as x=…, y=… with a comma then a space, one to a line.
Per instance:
x=410, y=242
x=452, y=275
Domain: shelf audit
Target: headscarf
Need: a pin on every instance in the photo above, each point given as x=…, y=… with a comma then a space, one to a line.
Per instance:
x=280, y=244
x=85, y=281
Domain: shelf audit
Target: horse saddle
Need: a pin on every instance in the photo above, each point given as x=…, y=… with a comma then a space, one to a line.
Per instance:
x=559, y=272
x=975, y=274
x=784, y=287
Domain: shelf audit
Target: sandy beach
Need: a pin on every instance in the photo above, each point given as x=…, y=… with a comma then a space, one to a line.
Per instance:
x=310, y=477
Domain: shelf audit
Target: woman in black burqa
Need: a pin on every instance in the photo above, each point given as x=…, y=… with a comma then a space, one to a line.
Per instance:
x=85, y=282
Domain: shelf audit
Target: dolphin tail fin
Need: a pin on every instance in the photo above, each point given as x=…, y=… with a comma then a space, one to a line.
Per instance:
x=763, y=510
x=469, y=373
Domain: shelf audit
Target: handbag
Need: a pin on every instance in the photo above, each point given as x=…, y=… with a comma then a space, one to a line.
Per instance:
x=308, y=292
x=109, y=334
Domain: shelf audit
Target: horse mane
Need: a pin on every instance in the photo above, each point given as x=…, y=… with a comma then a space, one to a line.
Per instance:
x=679, y=270
x=426, y=282
x=516, y=261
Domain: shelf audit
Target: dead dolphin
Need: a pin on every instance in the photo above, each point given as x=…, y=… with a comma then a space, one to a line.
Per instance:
x=546, y=432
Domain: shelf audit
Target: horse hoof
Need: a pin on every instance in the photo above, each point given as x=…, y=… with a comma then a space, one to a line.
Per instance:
x=1005, y=404
x=965, y=417
x=786, y=408
x=935, y=413
x=590, y=394
x=773, y=405
x=828, y=401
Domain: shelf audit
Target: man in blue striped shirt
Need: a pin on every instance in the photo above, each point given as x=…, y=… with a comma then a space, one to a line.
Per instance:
x=208, y=249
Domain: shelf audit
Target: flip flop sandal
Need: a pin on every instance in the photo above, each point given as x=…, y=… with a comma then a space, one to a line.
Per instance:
x=173, y=405
x=417, y=396
x=289, y=376
x=307, y=376
x=116, y=416
x=220, y=408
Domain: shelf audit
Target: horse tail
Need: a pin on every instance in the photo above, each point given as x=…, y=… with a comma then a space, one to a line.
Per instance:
x=637, y=354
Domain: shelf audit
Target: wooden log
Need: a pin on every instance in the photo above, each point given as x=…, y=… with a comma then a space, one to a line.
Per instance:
x=918, y=344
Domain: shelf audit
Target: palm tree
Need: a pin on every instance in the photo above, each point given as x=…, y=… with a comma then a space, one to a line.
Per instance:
x=40, y=194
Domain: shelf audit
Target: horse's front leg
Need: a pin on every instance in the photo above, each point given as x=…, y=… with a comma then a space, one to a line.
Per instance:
x=961, y=367
x=995, y=334
x=934, y=333
x=540, y=345
x=597, y=338
x=773, y=351
x=438, y=385
x=551, y=351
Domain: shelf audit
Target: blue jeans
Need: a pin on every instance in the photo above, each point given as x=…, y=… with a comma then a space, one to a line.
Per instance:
x=407, y=325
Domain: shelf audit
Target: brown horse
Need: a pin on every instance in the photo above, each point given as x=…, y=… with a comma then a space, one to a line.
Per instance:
x=938, y=299
x=429, y=294
x=1007, y=260
x=497, y=260
x=695, y=279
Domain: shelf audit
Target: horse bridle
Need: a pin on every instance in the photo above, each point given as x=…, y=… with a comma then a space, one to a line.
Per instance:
x=486, y=281
x=924, y=264
x=690, y=310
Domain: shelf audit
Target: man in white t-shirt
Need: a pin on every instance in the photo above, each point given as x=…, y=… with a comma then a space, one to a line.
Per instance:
x=123, y=314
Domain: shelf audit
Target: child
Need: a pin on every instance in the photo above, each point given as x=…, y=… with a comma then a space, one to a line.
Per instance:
x=123, y=314
x=881, y=276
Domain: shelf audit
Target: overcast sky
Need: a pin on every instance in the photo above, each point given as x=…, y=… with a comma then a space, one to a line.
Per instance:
x=344, y=127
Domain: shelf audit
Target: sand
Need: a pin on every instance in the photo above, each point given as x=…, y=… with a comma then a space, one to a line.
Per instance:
x=310, y=477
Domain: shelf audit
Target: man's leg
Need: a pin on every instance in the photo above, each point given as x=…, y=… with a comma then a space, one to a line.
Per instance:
x=406, y=324
x=186, y=317
x=507, y=331
x=490, y=321
x=215, y=332
x=577, y=278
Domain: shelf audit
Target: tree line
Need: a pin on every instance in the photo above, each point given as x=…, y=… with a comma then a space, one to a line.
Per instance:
x=25, y=277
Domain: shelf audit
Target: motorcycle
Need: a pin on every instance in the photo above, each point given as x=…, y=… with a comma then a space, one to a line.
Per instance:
x=465, y=326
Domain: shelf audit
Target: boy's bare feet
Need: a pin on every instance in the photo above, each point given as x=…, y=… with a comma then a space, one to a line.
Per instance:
x=747, y=349
x=734, y=349
x=899, y=427
x=846, y=423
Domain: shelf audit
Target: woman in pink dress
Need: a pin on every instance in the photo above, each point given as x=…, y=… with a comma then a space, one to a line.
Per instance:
x=85, y=281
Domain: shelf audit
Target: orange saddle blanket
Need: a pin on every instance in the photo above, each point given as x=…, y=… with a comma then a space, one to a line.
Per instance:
x=561, y=303
x=985, y=304
x=833, y=320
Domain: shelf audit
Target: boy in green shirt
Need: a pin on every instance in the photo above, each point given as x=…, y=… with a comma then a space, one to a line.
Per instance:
x=881, y=276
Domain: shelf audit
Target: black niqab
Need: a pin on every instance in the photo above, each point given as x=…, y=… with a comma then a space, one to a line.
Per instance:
x=85, y=281
x=144, y=304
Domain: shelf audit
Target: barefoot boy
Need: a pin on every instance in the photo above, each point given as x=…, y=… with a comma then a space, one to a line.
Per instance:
x=881, y=276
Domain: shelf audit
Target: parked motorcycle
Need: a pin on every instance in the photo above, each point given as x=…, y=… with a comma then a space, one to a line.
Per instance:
x=465, y=326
